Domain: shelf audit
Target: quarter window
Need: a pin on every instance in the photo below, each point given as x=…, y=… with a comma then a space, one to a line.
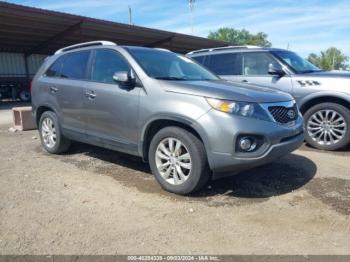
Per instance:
x=55, y=69
x=106, y=64
x=74, y=65
x=256, y=63
x=226, y=64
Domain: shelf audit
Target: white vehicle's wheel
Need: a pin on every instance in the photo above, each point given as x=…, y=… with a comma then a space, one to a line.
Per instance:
x=327, y=126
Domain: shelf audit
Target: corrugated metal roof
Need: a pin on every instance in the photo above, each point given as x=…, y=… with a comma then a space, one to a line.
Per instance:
x=33, y=30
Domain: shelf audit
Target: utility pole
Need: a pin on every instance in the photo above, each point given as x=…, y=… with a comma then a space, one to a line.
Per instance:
x=130, y=15
x=191, y=6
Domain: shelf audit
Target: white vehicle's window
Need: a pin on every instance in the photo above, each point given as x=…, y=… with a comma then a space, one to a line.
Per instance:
x=297, y=63
x=225, y=64
x=256, y=63
x=199, y=59
x=167, y=65
x=107, y=63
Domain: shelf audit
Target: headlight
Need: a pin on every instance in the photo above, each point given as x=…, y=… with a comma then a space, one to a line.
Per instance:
x=238, y=108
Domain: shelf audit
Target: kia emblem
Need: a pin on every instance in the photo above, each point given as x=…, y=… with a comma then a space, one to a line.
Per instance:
x=291, y=114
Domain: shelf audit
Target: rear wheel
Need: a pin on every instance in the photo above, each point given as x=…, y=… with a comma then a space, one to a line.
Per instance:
x=327, y=126
x=50, y=134
x=178, y=160
x=24, y=95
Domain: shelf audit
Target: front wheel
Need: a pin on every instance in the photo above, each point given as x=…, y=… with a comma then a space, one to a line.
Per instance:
x=178, y=160
x=327, y=126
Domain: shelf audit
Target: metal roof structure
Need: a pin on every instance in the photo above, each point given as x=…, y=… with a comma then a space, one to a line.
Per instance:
x=31, y=30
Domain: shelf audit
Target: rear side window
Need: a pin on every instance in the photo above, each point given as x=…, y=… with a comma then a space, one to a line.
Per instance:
x=75, y=64
x=55, y=69
x=225, y=64
x=108, y=62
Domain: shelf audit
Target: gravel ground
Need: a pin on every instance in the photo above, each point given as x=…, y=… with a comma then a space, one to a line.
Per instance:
x=96, y=201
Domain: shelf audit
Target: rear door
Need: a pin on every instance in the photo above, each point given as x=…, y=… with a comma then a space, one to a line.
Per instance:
x=69, y=89
x=111, y=111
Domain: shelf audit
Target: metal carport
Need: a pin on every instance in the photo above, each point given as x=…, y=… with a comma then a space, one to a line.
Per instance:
x=31, y=31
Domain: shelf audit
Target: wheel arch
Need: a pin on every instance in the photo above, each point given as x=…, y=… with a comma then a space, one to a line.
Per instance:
x=40, y=110
x=313, y=100
x=156, y=124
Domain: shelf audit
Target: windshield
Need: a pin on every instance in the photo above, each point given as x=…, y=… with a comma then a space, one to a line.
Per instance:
x=166, y=65
x=298, y=64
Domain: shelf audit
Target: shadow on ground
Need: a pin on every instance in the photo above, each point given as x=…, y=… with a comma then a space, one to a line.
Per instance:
x=280, y=177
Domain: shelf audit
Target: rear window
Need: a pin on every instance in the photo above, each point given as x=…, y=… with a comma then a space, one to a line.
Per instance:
x=71, y=66
x=225, y=64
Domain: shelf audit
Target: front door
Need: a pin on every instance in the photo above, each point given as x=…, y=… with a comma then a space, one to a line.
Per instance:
x=252, y=68
x=111, y=111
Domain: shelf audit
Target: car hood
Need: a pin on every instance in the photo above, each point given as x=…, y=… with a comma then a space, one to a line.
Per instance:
x=329, y=74
x=222, y=89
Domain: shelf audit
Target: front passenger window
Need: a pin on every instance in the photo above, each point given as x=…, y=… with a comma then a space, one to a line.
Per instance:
x=107, y=63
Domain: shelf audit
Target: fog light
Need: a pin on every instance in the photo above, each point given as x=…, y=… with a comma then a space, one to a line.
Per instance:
x=247, y=144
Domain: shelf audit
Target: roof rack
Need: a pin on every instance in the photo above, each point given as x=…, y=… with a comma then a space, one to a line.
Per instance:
x=85, y=44
x=223, y=48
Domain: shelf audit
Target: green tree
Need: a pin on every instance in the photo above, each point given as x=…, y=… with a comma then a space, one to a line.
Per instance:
x=330, y=59
x=240, y=37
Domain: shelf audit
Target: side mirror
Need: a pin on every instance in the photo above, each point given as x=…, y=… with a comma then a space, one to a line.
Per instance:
x=125, y=79
x=276, y=69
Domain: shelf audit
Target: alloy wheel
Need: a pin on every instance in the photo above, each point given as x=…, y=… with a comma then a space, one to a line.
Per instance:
x=326, y=127
x=48, y=132
x=173, y=161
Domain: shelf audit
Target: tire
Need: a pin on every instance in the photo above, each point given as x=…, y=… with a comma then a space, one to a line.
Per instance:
x=332, y=118
x=59, y=143
x=195, y=177
x=24, y=95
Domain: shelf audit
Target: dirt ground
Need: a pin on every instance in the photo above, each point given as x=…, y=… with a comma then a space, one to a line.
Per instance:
x=96, y=201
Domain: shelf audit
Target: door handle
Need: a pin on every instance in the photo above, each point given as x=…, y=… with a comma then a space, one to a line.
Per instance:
x=245, y=81
x=53, y=89
x=90, y=94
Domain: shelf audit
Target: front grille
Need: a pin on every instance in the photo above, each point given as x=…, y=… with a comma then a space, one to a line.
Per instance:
x=283, y=114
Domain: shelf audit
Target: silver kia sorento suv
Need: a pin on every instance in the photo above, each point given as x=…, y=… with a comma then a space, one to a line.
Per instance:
x=323, y=97
x=164, y=107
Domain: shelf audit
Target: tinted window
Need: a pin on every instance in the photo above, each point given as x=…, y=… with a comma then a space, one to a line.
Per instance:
x=74, y=65
x=199, y=59
x=107, y=63
x=55, y=69
x=256, y=63
x=226, y=64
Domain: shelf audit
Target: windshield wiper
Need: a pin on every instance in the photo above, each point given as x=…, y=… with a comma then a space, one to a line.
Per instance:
x=310, y=71
x=170, y=78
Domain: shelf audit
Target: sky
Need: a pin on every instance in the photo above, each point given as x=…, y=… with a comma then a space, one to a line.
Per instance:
x=304, y=25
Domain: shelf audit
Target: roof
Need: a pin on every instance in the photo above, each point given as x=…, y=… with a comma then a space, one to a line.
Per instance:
x=33, y=30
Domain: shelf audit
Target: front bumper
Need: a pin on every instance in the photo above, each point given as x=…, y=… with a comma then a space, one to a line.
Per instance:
x=221, y=133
